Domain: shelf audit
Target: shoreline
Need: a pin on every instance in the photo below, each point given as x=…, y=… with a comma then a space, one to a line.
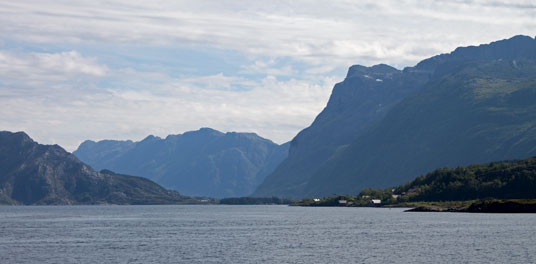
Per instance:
x=513, y=206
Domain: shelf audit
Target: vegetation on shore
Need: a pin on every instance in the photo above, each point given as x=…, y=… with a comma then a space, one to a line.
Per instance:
x=504, y=186
x=499, y=180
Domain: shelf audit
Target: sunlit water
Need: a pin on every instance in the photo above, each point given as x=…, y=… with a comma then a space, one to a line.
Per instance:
x=260, y=234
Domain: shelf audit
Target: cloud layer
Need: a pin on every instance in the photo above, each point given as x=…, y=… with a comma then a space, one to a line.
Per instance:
x=123, y=69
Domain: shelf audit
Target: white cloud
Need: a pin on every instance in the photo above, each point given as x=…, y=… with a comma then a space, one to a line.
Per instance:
x=269, y=67
x=48, y=66
x=67, y=114
x=295, y=46
x=318, y=32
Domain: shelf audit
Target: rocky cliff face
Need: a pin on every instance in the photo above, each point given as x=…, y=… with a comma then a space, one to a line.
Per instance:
x=357, y=104
x=472, y=105
x=201, y=163
x=34, y=174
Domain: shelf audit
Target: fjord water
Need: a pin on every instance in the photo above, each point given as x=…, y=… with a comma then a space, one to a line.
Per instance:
x=260, y=234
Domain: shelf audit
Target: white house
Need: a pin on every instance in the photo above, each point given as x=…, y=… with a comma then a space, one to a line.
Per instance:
x=375, y=201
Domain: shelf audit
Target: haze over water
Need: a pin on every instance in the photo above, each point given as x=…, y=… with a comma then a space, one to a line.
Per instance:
x=260, y=234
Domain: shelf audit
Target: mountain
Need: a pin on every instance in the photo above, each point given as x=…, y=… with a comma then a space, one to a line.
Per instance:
x=474, y=105
x=355, y=105
x=200, y=163
x=35, y=174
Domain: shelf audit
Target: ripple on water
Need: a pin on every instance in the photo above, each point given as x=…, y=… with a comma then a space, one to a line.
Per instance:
x=260, y=234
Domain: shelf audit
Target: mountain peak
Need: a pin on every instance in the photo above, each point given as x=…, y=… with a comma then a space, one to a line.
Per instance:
x=204, y=131
x=209, y=130
x=18, y=135
x=150, y=138
x=379, y=70
x=15, y=138
x=87, y=143
x=516, y=47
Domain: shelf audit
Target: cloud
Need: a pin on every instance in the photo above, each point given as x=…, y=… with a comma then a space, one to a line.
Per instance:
x=124, y=69
x=55, y=111
x=270, y=67
x=48, y=66
x=317, y=32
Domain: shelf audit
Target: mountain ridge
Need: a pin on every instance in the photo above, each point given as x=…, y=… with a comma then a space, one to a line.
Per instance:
x=205, y=162
x=346, y=163
x=35, y=174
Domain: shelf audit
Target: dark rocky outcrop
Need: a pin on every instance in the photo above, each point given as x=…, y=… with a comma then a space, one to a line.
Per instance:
x=489, y=206
x=499, y=206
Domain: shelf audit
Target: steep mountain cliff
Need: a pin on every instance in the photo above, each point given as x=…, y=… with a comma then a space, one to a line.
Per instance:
x=201, y=163
x=473, y=105
x=356, y=104
x=34, y=174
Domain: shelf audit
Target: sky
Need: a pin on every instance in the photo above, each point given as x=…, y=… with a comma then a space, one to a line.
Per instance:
x=125, y=69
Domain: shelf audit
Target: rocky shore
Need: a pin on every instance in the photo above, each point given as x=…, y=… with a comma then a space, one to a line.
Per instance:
x=488, y=206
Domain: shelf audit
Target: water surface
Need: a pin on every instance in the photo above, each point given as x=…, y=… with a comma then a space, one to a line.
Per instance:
x=260, y=234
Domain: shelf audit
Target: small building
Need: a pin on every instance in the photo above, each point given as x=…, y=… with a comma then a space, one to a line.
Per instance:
x=316, y=200
x=343, y=202
x=375, y=201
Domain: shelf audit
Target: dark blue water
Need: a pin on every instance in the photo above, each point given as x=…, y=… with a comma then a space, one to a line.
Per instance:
x=260, y=234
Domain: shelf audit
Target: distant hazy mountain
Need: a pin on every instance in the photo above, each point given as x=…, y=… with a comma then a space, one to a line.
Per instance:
x=474, y=105
x=34, y=174
x=201, y=163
